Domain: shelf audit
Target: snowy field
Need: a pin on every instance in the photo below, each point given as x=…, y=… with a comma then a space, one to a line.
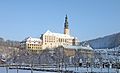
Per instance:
x=3, y=70
x=79, y=70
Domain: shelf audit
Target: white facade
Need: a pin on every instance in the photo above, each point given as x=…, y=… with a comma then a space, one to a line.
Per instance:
x=53, y=40
x=32, y=43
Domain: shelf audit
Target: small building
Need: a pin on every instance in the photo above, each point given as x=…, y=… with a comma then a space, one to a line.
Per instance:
x=77, y=54
x=31, y=44
x=82, y=51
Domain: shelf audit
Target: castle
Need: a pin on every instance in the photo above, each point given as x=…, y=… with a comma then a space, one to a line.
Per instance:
x=51, y=40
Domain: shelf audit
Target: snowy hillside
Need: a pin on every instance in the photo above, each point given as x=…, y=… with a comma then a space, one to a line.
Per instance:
x=109, y=41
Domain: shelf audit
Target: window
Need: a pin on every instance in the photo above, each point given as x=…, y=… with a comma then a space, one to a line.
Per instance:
x=65, y=40
x=45, y=43
x=59, y=39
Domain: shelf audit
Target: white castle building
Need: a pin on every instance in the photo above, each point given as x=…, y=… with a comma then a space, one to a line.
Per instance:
x=51, y=40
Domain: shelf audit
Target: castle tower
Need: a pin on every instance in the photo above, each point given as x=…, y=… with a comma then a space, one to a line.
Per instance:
x=66, y=26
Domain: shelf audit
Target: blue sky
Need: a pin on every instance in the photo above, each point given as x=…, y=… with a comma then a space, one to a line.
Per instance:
x=88, y=19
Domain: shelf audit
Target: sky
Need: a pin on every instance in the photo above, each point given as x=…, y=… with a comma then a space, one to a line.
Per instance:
x=88, y=19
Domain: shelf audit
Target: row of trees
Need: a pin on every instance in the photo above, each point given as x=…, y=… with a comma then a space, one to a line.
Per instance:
x=9, y=43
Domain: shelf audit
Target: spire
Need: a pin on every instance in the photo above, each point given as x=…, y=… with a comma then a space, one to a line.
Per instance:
x=66, y=22
x=66, y=17
x=66, y=26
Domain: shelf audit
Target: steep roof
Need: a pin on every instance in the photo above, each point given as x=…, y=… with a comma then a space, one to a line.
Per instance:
x=32, y=39
x=57, y=34
x=78, y=47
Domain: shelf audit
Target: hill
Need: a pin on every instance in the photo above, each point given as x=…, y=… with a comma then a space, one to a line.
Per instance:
x=109, y=41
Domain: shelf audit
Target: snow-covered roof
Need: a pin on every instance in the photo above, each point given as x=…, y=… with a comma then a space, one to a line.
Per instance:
x=32, y=39
x=57, y=34
x=106, y=50
x=78, y=47
x=101, y=50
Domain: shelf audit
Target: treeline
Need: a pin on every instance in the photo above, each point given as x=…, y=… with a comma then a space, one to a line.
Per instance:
x=9, y=43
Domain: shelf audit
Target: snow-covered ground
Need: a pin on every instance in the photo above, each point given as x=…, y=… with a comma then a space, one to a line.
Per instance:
x=79, y=70
x=3, y=70
x=105, y=70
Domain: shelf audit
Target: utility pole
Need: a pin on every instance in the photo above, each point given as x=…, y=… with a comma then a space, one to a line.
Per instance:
x=91, y=64
x=108, y=61
x=31, y=69
x=119, y=59
x=32, y=62
x=117, y=54
x=101, y=64
x=58, y=50
x=17, y=68
x=7, y=68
